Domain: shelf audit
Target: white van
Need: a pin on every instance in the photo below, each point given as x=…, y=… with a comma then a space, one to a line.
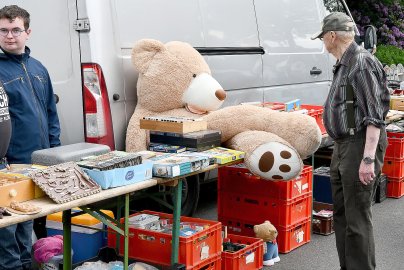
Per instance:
x=259, y=50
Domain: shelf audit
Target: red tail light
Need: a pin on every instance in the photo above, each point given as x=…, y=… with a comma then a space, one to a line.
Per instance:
x=97, y=113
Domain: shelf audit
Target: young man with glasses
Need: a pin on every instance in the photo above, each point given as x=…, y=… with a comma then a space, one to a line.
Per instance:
x=33, y=116
x=354, y=114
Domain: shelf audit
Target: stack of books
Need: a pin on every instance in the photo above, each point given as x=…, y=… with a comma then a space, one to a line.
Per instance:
x=172, y=134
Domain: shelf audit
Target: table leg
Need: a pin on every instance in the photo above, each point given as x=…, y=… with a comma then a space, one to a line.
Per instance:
x=176, y=223
x=118, y=217
x=126, y=234
x=67, y=240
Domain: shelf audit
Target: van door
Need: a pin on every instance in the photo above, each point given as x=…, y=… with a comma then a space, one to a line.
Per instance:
x=232, y=48
x=294, y=66
x=55, y=44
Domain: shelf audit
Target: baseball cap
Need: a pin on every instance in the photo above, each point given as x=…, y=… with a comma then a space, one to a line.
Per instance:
x=336, y=21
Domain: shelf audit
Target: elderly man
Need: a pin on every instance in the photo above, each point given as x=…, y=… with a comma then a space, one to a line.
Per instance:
x=354, y=115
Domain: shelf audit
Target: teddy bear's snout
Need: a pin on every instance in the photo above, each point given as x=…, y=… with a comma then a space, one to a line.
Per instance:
x=220, y=94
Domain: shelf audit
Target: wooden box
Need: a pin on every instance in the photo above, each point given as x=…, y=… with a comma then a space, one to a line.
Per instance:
x=322, y=223
x=17, y=188
x=168, y=124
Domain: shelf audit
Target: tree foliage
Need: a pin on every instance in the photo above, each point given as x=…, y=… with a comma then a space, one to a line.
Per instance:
x=386, y=15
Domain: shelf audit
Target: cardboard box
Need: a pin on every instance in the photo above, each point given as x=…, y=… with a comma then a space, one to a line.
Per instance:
x=179, y=164
x=397, y=103
x=221, y=155
x=176, y=126
x=121, y=176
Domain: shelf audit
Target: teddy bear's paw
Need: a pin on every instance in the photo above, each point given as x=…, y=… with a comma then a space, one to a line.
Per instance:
x=275, y=161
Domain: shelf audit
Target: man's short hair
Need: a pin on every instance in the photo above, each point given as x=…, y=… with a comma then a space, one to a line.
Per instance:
x=13, y=11
x=346, y=35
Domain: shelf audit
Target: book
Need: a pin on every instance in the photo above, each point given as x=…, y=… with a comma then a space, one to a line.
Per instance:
x=221, y=155
x=110, y=160
x=166, y=148
x=22, y=170
x=293, y=105
x=173, y=124
x=204, y=146
x=179, y=164
x=195, y=140
x=323, y=213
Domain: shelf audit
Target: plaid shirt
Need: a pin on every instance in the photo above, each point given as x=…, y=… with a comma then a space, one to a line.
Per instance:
x=371, y=96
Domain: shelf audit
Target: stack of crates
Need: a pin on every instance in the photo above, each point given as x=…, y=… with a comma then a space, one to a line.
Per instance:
x=245, y=200
x=394, y=165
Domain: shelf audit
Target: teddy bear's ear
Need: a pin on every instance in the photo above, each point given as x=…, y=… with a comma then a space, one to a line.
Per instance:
x=144, y=51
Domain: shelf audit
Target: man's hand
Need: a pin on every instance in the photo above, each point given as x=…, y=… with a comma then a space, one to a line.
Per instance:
x=366, y=173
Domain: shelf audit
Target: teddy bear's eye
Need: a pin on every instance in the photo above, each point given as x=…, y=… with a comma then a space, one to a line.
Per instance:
x=194, y=75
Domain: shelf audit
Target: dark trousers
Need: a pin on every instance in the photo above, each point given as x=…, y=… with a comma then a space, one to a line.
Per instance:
x=40, y=227
x=353, y=200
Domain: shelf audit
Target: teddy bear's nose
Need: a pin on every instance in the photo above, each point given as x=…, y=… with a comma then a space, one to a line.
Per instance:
x=220, y=94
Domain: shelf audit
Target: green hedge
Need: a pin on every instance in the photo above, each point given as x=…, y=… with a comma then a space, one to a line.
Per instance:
x=388, y=54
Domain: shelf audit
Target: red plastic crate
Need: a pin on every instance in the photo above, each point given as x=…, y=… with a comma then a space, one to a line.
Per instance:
x=294, y=236
x=213, y=263
x=288, y=238
x=395, y=147
x=393, y=168
x=239, y=179
x=238, y=226
x=155, y=247
x=316, y=111
x=259, y=208
x=395, y=188
x=248, y=258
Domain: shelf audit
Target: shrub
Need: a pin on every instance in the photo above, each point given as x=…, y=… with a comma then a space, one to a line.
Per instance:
x=388, y=54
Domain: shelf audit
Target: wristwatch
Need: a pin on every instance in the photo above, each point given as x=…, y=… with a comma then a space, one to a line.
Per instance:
x=368, y=160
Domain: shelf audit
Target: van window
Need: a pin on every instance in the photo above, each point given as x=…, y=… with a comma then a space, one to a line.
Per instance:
x=229, y=23
x=294, y=66
x=286, y=26
x=231, y=36
x=158, y=19
x=334, y=6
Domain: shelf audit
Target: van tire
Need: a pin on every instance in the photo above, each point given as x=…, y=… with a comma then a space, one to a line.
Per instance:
x=190, y=195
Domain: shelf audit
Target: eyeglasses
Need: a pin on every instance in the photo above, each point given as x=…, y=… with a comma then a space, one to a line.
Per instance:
x=15, y=32
x=322, y=37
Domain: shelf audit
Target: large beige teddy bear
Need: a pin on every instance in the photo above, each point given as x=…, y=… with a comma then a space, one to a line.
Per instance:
x=174, y=79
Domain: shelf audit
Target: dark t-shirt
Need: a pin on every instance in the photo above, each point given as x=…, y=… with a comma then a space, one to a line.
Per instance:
x=5, y=122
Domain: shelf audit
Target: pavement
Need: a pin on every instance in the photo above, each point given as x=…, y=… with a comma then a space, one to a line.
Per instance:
x=320, y=253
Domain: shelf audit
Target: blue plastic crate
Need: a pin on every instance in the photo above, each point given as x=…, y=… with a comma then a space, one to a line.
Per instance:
x=322, y=185
x=85, y=244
